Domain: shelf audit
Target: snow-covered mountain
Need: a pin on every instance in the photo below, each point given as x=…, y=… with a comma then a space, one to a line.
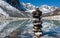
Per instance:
x=50, y=10
x=29, y=7
x=9, y=10
x=47, y=9
x=3, y=13
x=44, y=8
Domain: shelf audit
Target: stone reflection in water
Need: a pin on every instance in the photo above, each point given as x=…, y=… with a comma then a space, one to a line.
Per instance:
x=47, y=25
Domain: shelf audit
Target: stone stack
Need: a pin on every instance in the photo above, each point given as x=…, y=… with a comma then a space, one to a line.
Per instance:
x=37, y=23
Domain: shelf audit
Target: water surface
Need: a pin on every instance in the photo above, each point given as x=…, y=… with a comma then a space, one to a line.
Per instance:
x=50, y=28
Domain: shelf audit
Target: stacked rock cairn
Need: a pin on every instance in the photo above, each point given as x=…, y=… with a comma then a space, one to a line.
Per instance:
x=37, y=28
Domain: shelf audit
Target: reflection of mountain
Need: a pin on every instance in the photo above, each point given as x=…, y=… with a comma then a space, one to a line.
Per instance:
x=51, y=29
x=47, y=25
x=3, y=24
x=7, y=27
x=26, y=27
x=57, y=22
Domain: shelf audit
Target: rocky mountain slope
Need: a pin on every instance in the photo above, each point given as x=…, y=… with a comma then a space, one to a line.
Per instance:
x=8, y=10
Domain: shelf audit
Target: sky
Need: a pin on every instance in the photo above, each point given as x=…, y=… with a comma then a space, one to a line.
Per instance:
x=43, y=2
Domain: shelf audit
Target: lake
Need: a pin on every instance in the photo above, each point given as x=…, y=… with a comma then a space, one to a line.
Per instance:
x=51, y=29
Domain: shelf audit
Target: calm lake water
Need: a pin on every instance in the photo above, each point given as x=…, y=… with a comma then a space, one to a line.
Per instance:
x=50, y=28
